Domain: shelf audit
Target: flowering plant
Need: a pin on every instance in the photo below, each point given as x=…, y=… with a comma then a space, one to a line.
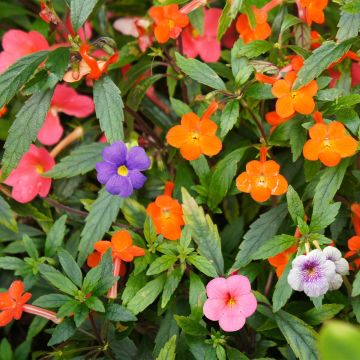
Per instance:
x=179, y=179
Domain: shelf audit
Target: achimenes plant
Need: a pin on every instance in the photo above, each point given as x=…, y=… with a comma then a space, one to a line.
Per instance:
x=180, y=180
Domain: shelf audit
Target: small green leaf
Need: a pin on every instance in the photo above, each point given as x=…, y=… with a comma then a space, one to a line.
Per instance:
x=229, y=117
x=283, y=290
x=30, y=247
x=203, y=265
x=161, y=264
x=356, y=285
x=274, y=246
x=116, y=312
x=10, y=263
x=62, y=332
x=255, y=48
x=6, y=216
x=197, y=294
x=190, y=326
x=51, y=300
x=295, y=205
x=318, y=316
x=168, y=351
x=171, y=284
x=55, y=236
x=70, y=267
x=180, y=107
x=58, y=61
x=80, y=10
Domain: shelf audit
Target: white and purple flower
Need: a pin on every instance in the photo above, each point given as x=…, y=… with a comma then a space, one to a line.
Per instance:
x=120, y=171
x=341, y=266
x=312, y=273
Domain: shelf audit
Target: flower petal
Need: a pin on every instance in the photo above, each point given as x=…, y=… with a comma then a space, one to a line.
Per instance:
x=213, y=308
x=52, y=131
x=105, y=171
x=217, y=288
x=231, y=320
x=137, y=159
x=115, y=153
x=120, y=185
x=137, y=179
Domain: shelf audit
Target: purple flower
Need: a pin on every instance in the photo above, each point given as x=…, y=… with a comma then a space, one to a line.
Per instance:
x=120, y=171
x=311, y=273
x=341, y=266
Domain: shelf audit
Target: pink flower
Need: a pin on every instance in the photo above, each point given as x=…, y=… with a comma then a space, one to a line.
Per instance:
x=27, y=180
x=230, y=302
x=206, y=46
x=18, y=43
x=354, y=72
x=68, y=101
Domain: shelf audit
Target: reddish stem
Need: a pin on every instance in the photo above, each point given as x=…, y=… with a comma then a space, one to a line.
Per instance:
x=169, y=188
x=263, y=153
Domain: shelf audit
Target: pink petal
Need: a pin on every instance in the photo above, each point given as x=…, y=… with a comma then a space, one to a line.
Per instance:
x=209, y=49
x=217, y=289
x=7, y=59
x=51, y=131
x=231, y=320
x=38, y=41
x=45, y=159
x=87, y=34
x=238, y=285
x=355, y=74
x=127, y=26
x=214, y=308
x=189, y=44
x=68, y=101
x=246, y=304
x=26, y=188
x=211, y=22
x=44, y=186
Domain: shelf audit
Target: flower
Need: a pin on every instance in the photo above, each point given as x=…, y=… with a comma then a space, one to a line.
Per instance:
x=3, y=111
x=341, y=266
x=274, y=119
x=206, y=45
x=230, y=301
x=354, y=247
x=280, y=261
x=121, y=169
x=261, y=31
x=262, y=179
x=329, y=143
x=169, y=22
x=312, y=10
x=68, y=101
x=27, y=179
x=196, y=136
x=167, y=214
x=18, y=43
x=291, y=101
x=311, y=273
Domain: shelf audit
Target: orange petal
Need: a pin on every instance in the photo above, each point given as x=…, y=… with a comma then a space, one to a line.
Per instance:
x=290, y=77
x=93, y=259
x=162, y=32
x=285, y=107
x=260, y=193
x=157, y=13
x=303, y=103
x=318, y=131
x=345, y=146
x=329, y=158
x=271, y=167
x=153, y=210
x=312, y=149
x=16, y=289
x=262, y=31
x=5, y=317
x=102, y=246
x=274, y=119
x=171, y=229
x=281, y=88
x=336, y=129
x=5, y=301
x=310, y=89
x=164, y=201
x=242, y=23
x=208, y=127
x=354, y=243
x=254, y=167
x=189, y=151
x=191, y=122
x=243, y=183
x=137, y=251
x=177, y=136
x=281, y=186
x=210, y=145
x=121, y=240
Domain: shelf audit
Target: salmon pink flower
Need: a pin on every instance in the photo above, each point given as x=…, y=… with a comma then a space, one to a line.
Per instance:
x=291, y=101
x=27, y=179
x=18, y=43
x=69, y=102
x=329, y=143
x=206, y=46
x=167, y=214
x=122, y=249
x=262, y=179
x=229, y=301
x=196, y=136
x=261, y=31
x=312, y=10
x=120, y=171
x=14, y=302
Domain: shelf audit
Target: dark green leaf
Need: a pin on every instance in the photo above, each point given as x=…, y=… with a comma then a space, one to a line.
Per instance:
x=10, y=263
x=51, y=300
x=161, y=264
x=116, y=312
x=70, y=267
x=190, y=326
x=229, y=117
x=295, y=205
x=283, y=290
x=349, y=25
x=30, y=247
x=172, y=282
x=203, y=265
x=58, y=62
x=255, y=48
x=55, y=236
x=318, y=316
x=274, y=246
x=80, y=10
x=6, y=216
x=62, y=332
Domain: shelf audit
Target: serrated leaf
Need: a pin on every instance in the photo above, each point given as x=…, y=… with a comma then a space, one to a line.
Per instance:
x=295, y=205
x=10, y=263
x=80, y=161
x=80, y=10
x=102, y=214
x=171, y=284
x=190, y=326
x=109, y=108
x=204, y=231
x=6, y=216
x=116, y=312
x=168, y=351
x=134, y=212
x=229, y=117
x=51, y=300
x=200, y=72
x=255, y=48
x=228, y=14
x=349, y=26
x=161, y=264
x=274, y=246
x=62, y=332
x=55, y=236
x=203, y=265
x=30, y=247
x=25, y=128
x=179, y=107
x=70, y=267
x=58, y=61
x=197, y=294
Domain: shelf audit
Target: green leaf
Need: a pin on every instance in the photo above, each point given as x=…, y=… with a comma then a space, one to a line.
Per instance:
x=302, y=34
x=37, y=325
x=261, y=230
x=6, y=216
x=134, y=212
x=190, y=326
x=168, y=328
x=295, y=205
x=318, y=316
x=168, y=351
x=298, y=137
x=161, y=264
x=283, y=290
x=255, y=48
x=18, y=74
x=95, y=304
x=10, y=263
x=197, y=294
x=320, y=60
x=6, y=352
x=203, y=265
x=228, y=14
x=229, y=117
x=80, y=314
x=274, y=246
x=300, y=336
x=147, y=295
x=356, y=285
x=288, y=22
x=58, y=62
x=57, y=279
x=70, y=267
x=51, y=300
x=80, y=10
x=171, y=284
x=116, y=312
x=109, y=108
x=102, y=214
x=339, y=341
x=30, y=247
x=180, y=107
x=200, y=72
x=55, y=236
x=349, y=25
x=80, y=161
x=25, y=128
x=204, y=231
x=62, y=332
x=149, y=231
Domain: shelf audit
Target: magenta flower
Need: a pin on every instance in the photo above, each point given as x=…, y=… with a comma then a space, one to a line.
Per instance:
x=27, y=180
x=18, y=43
x=206, y=45
x=230, y=301
x=69, y=102
x=120, y=171
x=311, y=273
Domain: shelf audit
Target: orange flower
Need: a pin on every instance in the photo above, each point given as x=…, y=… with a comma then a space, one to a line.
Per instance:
x=261, y=31
x=329, y=143
x=291, y=101
x=280, y=261
x=12, y=302
x=274, y=119
x=169, y=22
x=312, y=10
x=265, y=79
x=316, y=40
x=167, y=214
x=354, y=247
x=3, y=111
x=262, y=179
x=196, y=136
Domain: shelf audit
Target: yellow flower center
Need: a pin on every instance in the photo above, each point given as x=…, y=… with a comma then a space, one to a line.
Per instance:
x=327, y=143
x=231, y=301
x=171, y=24
x=39, y=169
x=122, y=170
x=195, y=136
x=294, y=94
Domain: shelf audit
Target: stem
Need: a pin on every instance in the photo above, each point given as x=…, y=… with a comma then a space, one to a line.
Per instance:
x=96, y=331
x=316, y=244
x=269, y=283
x=112, y=294
x=192, y=5
x=73, y=136
x=307, y=247
x=46, y=314
x=347, y=285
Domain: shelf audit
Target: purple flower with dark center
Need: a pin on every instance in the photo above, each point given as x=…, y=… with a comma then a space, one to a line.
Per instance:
x=311, y=273
x=120, y=171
